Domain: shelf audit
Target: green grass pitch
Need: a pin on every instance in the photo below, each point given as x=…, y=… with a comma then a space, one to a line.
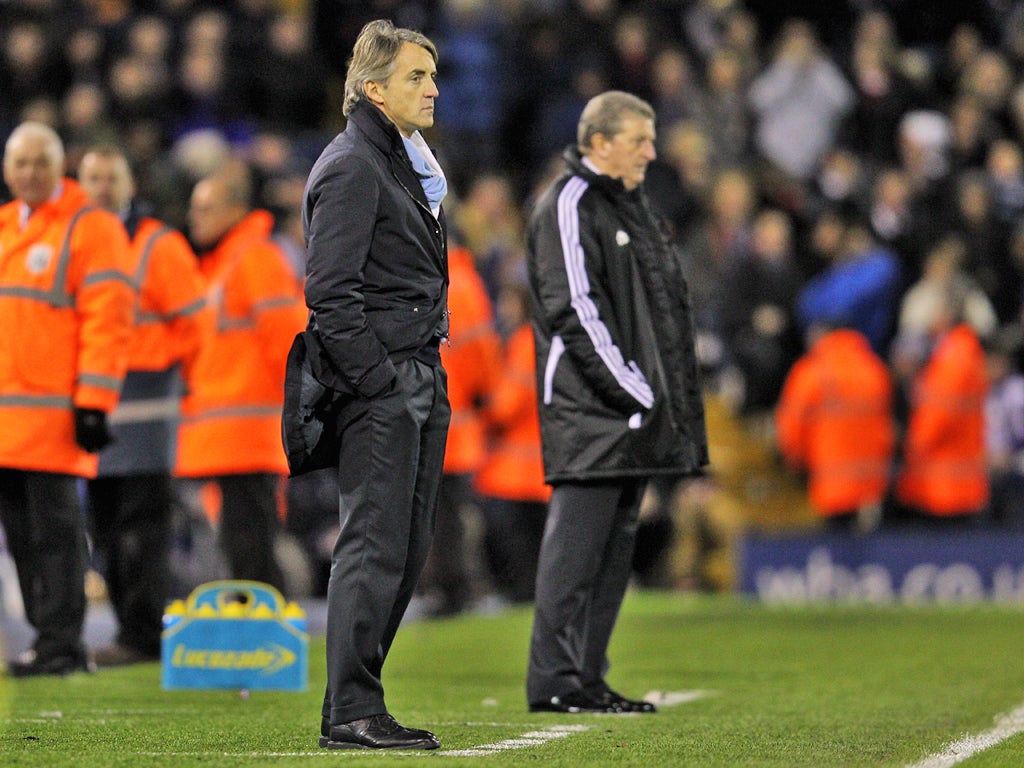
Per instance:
x=744, y=685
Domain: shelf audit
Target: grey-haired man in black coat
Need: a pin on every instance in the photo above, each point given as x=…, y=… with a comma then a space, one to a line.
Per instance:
x=620, y=400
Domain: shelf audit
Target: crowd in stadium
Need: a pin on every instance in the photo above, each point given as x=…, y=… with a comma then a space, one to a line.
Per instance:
x=846, y=164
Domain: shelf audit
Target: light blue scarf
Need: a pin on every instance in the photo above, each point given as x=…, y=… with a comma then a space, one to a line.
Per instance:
x=435, y=185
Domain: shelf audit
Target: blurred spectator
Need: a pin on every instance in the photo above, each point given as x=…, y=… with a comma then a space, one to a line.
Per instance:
x=710, y=252
x=924, y=152
x=800, y=100
x=633, y=51
x=729, y=125
x=837, y=389
x=891, y=219
x=513, y=495
x=972, y=131
x=986, y=259
x=760, y=334
x=470, y=37
x=677, y=95
x=858, y=287
x=1005, y=167
x=922, y=307
x=944, y=475
x=1004, y=427
x=987, y=79
x=278, y=98
x=490, y=223
x=883, y=93
x=841, y=182
x=962, y=47
x=231, y=430
x=28, y=69
x=679, y=180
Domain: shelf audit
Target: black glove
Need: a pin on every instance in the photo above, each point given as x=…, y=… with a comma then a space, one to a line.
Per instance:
x=91, y=431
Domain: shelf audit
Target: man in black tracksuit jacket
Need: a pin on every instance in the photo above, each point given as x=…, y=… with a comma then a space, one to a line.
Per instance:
x=377, y=288
x=620, y=399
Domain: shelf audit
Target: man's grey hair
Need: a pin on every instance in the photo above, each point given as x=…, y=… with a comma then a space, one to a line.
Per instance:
x=374, y=56
x=54, y=146
x=604, y=114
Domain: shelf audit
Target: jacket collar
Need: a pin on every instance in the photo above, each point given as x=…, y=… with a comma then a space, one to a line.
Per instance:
x=381, y=132
x=574, y=159
x=384, y=135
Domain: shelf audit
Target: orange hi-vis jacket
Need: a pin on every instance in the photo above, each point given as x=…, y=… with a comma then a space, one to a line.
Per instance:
x=170, y=294
x=232, y=413
x=944, y=471
x=66, y=315
x=515, y=467
x=472, y=358
x=835, y=419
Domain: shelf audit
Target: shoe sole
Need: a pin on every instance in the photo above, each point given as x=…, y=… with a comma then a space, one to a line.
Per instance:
x=326, y=743
x=577, y=711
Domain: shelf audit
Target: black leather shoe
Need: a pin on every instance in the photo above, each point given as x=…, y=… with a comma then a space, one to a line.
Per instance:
x=377, y=732
x=573, y=702
x=608, y=696
x=30, y=664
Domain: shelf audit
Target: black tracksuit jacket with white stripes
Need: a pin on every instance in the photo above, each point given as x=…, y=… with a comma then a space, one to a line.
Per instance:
x=618, y=387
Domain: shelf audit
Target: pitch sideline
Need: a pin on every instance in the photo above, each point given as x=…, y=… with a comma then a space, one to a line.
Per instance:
x=1007, y=725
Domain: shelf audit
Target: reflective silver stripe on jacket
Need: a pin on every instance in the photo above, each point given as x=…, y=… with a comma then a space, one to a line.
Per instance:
x=626, y=374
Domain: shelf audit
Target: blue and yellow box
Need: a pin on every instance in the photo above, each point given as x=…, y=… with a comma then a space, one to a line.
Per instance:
x=235, y=634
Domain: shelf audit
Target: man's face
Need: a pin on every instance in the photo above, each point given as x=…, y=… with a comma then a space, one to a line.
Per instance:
x=408, y=96
x=32, y=169
x=627, y=154
x=211, y=214
x=107, y=180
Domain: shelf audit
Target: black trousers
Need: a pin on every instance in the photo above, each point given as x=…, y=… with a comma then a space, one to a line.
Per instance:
x=585, y=562
x=249, y=525
x=447, y=570
x=389, y=475
x=130, y=522
x=513, y=534
x=45, y=529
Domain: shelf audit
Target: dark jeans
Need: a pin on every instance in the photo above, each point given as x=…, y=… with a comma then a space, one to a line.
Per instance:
x=45, y=529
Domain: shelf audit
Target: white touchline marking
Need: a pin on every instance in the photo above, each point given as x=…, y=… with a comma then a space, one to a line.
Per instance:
x=1006, y=726
x=529, y=739
x=675, y=698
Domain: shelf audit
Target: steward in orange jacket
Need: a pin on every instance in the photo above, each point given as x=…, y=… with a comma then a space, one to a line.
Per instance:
x=231, y=430
x=944, y=473
x=130, y=499
x=66, y=315
x=232, y=412
x=514, y=468
x=834, y=418
x=471, y=359
x=511, y=483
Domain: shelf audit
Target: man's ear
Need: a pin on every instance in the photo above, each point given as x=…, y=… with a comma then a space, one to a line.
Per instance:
x=372, y=90
x=598, y=144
